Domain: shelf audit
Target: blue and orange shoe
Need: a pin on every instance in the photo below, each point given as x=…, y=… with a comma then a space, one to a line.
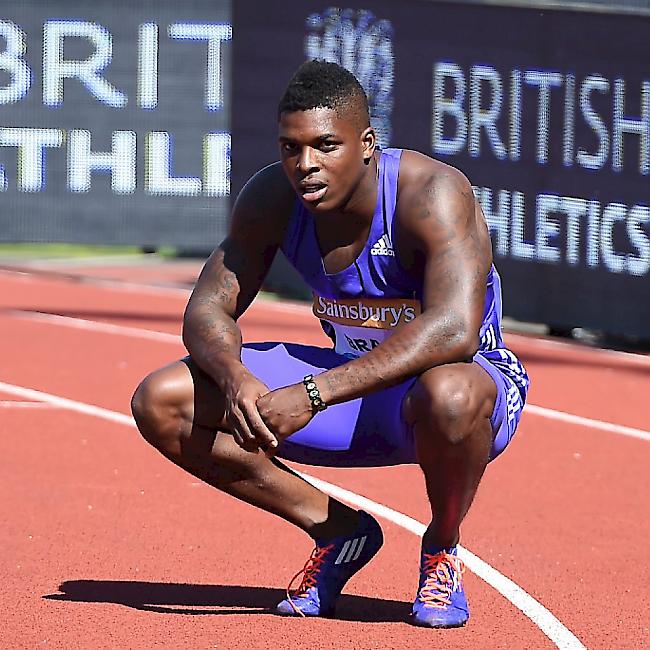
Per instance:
x=332, y=563
x=440, y=601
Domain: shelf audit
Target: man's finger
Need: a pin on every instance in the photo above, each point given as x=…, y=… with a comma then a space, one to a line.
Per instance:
x=248, y=440
x=237, y=438
x=269, y=451
x=262, y=433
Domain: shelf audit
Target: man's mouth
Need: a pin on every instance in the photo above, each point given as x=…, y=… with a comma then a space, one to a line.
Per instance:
x=312, y=191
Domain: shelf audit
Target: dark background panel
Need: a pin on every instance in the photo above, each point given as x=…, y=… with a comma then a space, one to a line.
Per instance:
x=100, y=215
x=270, y=44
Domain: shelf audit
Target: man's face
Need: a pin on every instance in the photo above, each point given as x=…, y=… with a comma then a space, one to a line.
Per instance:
x=323, y=156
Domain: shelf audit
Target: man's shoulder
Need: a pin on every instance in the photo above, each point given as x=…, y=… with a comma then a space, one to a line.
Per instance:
x=428, y=186
x=419, y=172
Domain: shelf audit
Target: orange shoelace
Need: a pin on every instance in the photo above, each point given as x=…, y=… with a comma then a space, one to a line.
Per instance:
x=309, y=574
x=443, y=572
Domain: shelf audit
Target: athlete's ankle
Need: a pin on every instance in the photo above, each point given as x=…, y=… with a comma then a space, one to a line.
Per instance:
x=341, y=520
x=438, y=540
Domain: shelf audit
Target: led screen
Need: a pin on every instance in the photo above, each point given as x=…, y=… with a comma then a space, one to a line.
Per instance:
x=115, y=121
x=547, y=113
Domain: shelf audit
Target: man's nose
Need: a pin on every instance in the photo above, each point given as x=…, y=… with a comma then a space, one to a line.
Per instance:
x=307, y=160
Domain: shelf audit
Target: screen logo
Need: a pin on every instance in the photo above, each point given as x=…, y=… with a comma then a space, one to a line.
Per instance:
x=362, y=43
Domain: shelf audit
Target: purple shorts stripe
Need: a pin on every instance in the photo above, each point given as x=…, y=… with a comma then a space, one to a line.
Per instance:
x=366, y=432
x=507, y=412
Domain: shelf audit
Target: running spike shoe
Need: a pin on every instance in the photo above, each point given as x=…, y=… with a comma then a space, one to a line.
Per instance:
x=440, y=601
x=332, y=563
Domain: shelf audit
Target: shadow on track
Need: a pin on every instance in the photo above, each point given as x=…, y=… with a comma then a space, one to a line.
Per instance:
x=174, y=598
x=106, y=314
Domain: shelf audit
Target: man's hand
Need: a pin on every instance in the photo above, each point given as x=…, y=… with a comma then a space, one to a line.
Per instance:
x=285, y=410
x=242, y=391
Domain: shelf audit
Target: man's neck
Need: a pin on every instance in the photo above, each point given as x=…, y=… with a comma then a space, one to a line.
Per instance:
x=357, y=213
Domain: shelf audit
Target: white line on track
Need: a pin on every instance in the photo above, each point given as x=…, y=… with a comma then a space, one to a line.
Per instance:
x=63, y=402
x=561, y=636
x=123, y=286
x=510, y=590
x=12, y=404
x=98, y=326
x=587, y=422
x=109, y=328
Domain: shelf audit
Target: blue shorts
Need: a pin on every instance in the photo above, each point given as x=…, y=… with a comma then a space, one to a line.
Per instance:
x=369, y=431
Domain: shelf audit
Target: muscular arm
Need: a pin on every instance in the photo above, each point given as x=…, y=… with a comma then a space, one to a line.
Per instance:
x=210, y=331
x=450, y=247
x=232, y=276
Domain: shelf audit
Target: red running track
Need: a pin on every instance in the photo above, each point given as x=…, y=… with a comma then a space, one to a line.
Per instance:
x=107, y=545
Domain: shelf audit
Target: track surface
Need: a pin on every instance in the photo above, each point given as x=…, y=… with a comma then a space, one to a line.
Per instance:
x=107, y=545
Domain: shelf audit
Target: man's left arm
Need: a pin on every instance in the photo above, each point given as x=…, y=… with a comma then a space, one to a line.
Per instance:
x=439, y=220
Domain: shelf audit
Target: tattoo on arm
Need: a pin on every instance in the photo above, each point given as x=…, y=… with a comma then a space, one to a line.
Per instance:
x=209, y=327
x=454, y=261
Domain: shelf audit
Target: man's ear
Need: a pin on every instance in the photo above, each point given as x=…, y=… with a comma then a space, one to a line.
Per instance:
x=369, y=142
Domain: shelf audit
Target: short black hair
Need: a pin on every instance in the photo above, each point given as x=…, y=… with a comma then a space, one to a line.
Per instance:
x=321, y=84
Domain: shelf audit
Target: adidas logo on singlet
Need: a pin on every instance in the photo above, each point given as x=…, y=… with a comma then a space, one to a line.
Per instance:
x=383, y=247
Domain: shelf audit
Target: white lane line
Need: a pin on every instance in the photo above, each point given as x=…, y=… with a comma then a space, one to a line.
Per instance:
x=561, y=636
x=97, y=326
x=63, y=402
x=138, y=332
x=565, y=346
x=12, y=404
x=123, y=286
x=522, y=600
x=640, y=434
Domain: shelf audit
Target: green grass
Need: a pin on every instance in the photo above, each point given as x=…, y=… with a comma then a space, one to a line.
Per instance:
x=72, y=250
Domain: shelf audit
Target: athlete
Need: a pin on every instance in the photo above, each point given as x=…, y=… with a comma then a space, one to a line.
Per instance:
x=396, y=251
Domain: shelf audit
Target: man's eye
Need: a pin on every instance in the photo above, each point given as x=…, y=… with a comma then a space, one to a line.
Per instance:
x=328, y=146
x=288, y=147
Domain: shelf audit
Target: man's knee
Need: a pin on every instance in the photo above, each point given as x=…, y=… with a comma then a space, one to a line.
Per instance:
x=163, y=408
x=157, y=410
x=446, y=403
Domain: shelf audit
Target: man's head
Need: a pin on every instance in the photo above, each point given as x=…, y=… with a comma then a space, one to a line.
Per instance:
x=320, y=84
x=326, y=140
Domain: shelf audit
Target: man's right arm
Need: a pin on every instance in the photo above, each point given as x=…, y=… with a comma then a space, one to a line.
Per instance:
x=210, y=331
x=230, y=280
